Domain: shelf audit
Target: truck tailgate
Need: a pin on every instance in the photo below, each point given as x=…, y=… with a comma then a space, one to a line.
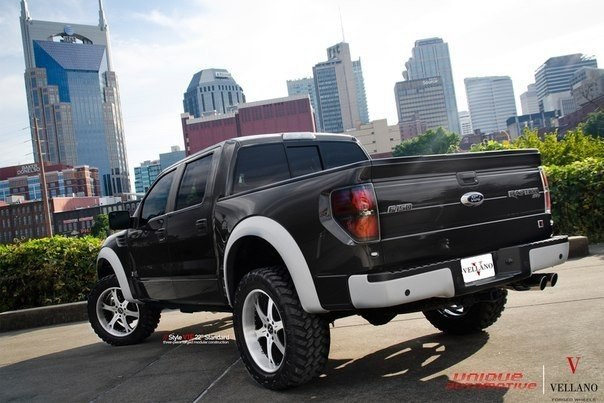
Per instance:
x=450, y=206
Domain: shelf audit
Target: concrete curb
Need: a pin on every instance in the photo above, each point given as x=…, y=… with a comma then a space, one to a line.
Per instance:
x=43, y=316
x=76, y=312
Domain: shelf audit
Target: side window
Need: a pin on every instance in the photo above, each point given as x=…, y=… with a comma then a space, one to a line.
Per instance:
x=193, y=184
x=157, y=198
x=303, y=160
x=338, y=153
x=260, y=165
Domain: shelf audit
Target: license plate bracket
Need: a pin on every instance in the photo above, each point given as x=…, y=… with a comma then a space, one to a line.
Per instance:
x=477, y=268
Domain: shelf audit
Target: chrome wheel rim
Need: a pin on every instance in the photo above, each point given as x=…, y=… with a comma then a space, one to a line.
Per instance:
x=117, y=316
x=454, y=311
x=263, y=331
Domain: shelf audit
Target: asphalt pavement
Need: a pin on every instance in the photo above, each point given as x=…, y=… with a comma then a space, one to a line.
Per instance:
x=546, y=345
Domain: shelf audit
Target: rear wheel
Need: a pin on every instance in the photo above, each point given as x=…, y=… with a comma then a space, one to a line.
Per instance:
x=280, y=344
x=460, y=319
x=117, y=321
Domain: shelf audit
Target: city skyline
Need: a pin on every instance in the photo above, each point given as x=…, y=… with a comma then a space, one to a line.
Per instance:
x=157, y=46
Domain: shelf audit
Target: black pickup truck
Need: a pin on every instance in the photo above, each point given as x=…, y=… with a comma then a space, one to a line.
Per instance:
x=293, y=231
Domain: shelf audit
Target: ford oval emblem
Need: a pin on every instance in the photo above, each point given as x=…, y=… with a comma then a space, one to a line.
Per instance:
x=472, y=199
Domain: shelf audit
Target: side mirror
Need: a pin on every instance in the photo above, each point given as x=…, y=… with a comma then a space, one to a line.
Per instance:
x=119, y=220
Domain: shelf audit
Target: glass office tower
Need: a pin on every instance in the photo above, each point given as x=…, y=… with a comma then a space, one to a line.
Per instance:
x=73, y=94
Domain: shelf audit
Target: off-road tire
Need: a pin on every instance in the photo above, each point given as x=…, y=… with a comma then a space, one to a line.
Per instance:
x=304, y=337
x=472, y=319
x=148, y=317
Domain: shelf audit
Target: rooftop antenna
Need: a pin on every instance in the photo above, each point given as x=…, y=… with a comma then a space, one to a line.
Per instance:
x=102, y=20
x=341, y=24
x=25, y=11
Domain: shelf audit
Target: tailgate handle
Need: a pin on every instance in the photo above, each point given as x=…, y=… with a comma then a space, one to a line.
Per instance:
x=467, y=178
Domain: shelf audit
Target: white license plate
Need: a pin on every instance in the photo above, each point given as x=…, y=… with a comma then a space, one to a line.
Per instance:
x=477, y=268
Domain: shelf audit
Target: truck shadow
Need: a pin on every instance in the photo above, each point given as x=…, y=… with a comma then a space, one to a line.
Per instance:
x=411, y=370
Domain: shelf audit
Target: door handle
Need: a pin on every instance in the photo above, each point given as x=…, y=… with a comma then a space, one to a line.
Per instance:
x=161, y=234
x=202, y=226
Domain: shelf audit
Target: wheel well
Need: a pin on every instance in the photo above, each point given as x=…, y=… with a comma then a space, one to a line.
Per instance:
x=247, y=254
x=104, y=269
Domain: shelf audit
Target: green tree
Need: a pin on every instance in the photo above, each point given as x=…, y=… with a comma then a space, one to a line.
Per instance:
x=100, y=228
x=437, y=141
x=574, y=146
x=594, y=125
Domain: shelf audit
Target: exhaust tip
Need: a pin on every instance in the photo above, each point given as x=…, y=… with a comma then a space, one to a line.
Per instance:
x=543, y=283
x=552, y=278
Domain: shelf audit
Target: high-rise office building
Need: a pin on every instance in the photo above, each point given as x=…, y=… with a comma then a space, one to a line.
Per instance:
x=430, y=58
x=357, y=69
x=553, y=81
x=420, y=104
x=465, y=123
x=145, y=175
x=172, y=157
x=491, y=102
x=72, y=92
x=336, y=86
x=303, y=86
x=211, y=92
x=529, y=101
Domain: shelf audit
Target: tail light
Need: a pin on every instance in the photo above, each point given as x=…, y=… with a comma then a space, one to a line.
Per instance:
x=355, y=210
x=548, y=200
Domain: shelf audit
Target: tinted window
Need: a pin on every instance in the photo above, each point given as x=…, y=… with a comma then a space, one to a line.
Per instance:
x=193, y=185
x=157, y=198
x=339, y=153
x=303, y=160
x=259, y=165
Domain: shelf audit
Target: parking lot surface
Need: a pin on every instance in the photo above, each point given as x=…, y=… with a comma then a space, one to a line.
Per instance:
x=546, y=345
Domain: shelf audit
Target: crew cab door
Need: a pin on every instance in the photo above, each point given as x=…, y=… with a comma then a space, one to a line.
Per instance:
x=147, y=242
x=190, y=238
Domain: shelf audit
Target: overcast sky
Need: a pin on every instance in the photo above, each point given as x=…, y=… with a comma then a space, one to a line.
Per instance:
x=158, y=45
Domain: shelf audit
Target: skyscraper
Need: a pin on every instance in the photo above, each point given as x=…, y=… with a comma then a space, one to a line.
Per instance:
x=529, y=100
x=303, y=86
x=430, y=58
x=420, y=104
x=491, y=102
x=72, y=92
x=465, y=123
x=360, y=87
x=212, y=91
x=336, y=87
x=553, y=80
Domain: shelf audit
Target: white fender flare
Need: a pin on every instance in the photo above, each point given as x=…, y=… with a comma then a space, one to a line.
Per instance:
x=109, y=255
x=278, y=237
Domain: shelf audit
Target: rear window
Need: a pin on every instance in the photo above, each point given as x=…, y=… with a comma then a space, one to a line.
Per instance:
x=303, y=160
x=260, y=165
x=338, y=153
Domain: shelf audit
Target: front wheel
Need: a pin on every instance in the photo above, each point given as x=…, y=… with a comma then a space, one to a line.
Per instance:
x=459, y=319
x=280, y=344
x=117, y=321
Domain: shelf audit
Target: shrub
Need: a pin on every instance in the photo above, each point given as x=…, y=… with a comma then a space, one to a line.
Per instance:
x=577, y=193
x=437, y=141
x=47, y=271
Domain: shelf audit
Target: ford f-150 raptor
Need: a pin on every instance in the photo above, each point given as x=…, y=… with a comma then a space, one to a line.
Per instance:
x=293, y=231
